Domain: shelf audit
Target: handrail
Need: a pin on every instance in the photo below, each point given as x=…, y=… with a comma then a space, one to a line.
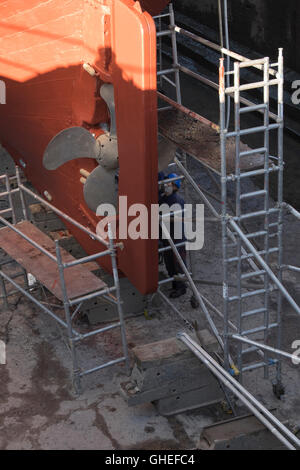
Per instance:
x=218, y=48
x=29, y=240
x=64, y=216
x=264, y=415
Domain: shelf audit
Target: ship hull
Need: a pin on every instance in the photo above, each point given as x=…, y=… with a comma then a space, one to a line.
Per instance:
x=43, y=47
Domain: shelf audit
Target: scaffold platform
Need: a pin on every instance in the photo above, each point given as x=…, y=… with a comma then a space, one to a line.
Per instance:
x=79, y=279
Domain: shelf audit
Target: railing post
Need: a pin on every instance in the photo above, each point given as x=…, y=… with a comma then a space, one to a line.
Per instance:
x=76, y=370
x=175, y=54
x=118, y=294
x=280, y=204
x=224, y=208
x=23, y=202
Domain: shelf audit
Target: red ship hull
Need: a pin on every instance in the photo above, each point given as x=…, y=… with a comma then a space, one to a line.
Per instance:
x=43, y=46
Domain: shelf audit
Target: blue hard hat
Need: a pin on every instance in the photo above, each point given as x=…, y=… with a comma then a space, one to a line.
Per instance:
x=176, y=182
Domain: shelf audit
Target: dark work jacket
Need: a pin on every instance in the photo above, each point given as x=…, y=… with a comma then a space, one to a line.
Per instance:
x=174, y=198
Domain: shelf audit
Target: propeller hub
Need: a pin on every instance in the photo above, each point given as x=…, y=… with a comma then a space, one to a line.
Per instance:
x=108, y=157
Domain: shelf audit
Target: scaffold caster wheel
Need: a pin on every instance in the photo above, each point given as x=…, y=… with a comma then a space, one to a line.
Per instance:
x=226, y=407
x=278, y=390
x=194, y=302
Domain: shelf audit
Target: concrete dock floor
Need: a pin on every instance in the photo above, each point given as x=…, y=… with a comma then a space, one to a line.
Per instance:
x=38, y=409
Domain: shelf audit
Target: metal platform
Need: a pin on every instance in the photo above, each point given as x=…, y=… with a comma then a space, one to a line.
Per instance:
x=79, y=279
x=201, y=140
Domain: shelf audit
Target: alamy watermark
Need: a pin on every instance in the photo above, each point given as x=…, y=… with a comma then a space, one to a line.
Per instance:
x=2, y=353
x=296, y=354
x=138, y=222
x=296, y=93
x=2, y=92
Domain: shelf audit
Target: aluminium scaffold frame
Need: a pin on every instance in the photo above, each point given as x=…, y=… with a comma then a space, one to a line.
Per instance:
x=74, y=337
x=232, y=224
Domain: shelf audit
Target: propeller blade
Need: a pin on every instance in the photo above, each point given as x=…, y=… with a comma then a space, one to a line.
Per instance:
x=166, y=153
x=101, y=187
x=69, y=144
x=107, y=93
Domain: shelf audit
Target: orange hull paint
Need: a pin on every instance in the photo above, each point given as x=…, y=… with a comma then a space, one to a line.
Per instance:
x=42, y=48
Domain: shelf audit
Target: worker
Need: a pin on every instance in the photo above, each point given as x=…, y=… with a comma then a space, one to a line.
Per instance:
x=168, y=194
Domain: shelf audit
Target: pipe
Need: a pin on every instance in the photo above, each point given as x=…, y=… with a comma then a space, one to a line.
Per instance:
x=187, y=111
x=218, y=48
x=117, y=288
x=193, y=287
x=249, y=400
x=214, y=85
x=30, y=297
x=94, y=236
x=227, y=60
x=291, y=210
x=265, y=266
x=265, y=347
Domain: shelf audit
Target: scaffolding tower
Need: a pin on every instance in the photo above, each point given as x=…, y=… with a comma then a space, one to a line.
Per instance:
x=70, y=280
x=244, y=212
x=248, y=256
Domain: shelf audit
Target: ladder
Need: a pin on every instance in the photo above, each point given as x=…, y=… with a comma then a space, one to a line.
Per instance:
x=163, y=74
x=252, y=321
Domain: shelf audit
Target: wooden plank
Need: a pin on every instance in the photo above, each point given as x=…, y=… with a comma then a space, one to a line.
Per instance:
x=171, y=349
x=79, y=280
x=202, y=142
x=241, y=433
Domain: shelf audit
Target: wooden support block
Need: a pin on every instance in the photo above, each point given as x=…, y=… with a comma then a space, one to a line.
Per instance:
x=169, y=350
x=245, y=433
x=39, y=212
x=168, y=373
x=45, y=219
x=160, y=352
